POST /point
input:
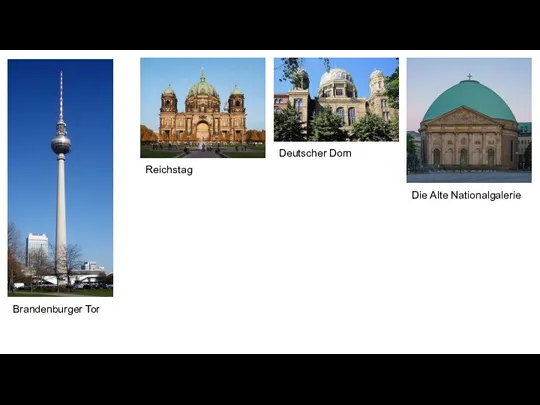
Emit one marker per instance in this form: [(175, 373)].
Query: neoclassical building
[(337, 91), (202, 120), (470, 125)]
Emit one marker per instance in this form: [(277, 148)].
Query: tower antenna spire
[(61, 98)]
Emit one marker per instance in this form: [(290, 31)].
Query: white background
[(290, 255)]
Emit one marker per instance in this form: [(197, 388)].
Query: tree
[(394, 127), (411, 150), (326, 126), (527, 157), (250, 135), (372, 128), (391, 84), (288, 125), (14, 255), (147, 135), (68, 260), (262, 136), (40, 266), (289, 69)]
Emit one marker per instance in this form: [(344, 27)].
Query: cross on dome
[(469, 76)]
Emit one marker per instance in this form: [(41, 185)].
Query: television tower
[(61, 145)]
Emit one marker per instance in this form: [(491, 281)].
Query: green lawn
[(149, 153), (74, 293), (245, 154), (94, 293)]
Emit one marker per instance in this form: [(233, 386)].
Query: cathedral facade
[(202, 120), (469, 125), (336, 91)]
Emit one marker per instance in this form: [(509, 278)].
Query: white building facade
[(34, 243)]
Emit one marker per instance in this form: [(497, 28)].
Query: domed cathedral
[(337, 91), (202, 120), (471, 125)]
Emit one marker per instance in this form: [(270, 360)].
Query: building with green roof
[(202, 121), (470, 125)]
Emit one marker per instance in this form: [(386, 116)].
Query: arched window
[(280, 101), (237, 103), (463, 157), (491, 157), (298, 104), (341, 113), (352, 115), (436, 157)]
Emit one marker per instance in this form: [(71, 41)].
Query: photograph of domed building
[(219, 114), (469, 126), (202, 119), (345, 92)]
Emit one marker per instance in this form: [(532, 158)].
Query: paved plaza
[(194, 154), (470, 177)]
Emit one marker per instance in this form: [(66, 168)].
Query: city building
[(524, 140), (91, 266), (202, 120), (419, 143), (337, 91), (470, 125), (34, 243)]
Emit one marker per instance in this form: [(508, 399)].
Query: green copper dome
[(472, 94), (202, 88), (236, 91), (168, 91)]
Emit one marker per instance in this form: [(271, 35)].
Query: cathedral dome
[(472, 94), (376, 73), (202, 88), (236, 92), (335, 74), (168, 91)]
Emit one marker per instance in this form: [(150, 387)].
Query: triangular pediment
[(463, 115)]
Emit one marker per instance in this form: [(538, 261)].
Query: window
[(386, 115), (277, 109), (436, 157), (491, 157), (511, 151), (339, 92), (463, 157), (352, 115), (349, 93), (298, 103), (341, 113)]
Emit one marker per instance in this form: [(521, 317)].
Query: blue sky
[(359, 68), (33, 110), (222, 73), (428, 78)]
